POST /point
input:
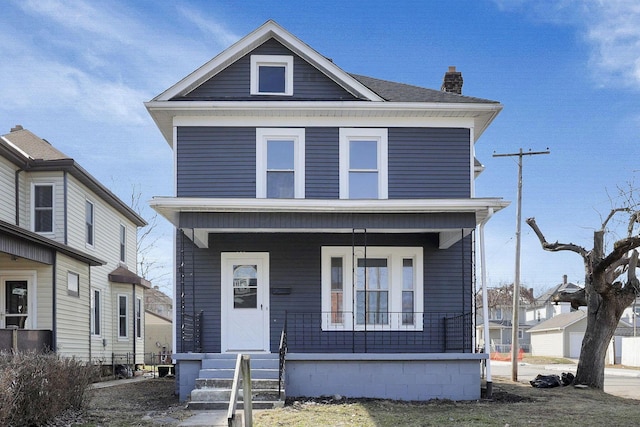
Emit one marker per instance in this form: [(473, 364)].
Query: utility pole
[(515, 323)]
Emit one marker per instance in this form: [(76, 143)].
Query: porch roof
[(452, 219)]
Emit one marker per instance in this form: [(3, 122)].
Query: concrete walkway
[(206, 419)]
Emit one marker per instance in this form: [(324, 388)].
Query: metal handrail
[(243, 367), (282, 351)]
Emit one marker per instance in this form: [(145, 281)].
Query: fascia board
[(253, 40)]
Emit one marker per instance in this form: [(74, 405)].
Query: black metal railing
[(191, 332), (378, 332), (282, 351)]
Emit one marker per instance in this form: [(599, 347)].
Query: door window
[(245, 286), (16, 303)]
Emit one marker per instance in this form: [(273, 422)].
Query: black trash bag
[(546, 381), (567, 378)]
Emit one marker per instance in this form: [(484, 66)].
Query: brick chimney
[(564, 279), (452, 81), (16, 128)]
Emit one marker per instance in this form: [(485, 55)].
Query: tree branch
[(620, 248), (611, 214), (577, 298), (555, 247)]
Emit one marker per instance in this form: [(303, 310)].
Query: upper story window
[(363, 163), (271, 75), (89, 217), (123, 243), (279, 163), (43, 208)]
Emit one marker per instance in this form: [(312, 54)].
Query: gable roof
[(560, 322), (34, 154), (374, 98), (266, 31), (546, 296)]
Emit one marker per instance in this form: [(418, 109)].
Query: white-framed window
[(96, 313), (73, 284), (363, 163), (43, 198), (89, 222), (271, 75), (381, 290), (123, 243), (497, 313), (280, 163), (123, 316), (138, 317)]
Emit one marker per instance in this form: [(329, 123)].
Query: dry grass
[(514, 404)]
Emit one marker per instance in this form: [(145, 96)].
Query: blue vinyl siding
[(429, 163), (233, 83), (216, 162), (322, 163), (294, 262)]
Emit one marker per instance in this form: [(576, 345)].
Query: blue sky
[(567, 72)]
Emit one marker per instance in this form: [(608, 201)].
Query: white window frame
[(73, 284), (126, 316), (395, 257), (285, 61), (122, 247), (96, 313), (263, 136), (381, 136), (93, 223), (53, 206), (138, 318)]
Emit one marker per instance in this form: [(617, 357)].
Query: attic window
[(271, 75)]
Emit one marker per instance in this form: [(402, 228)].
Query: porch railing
[(14, 339), (282, 351), (191, 333), (379, 332)]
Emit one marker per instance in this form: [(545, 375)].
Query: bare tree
[(604, 295)]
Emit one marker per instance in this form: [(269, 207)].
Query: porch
[(24, 340)]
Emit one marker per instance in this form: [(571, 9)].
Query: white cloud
[(610, 28), (210, 27)]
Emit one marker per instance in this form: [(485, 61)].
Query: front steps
[(213, 386)]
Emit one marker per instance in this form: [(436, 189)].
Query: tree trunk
[(602, 321)]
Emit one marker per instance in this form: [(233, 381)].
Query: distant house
[(544, 307), (158, 326), (67, 257), (327, 211), (500, 308)]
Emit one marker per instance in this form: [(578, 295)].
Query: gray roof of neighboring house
[(560, 321), (42, 156), (546, 297), (400, 92)]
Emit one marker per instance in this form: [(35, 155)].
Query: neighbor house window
[(43, 208), (280, 163), (89, 216), (363, 163), (96, 309), (73, 284), (271, 75), (381, 290), (138, 318), (123, 316), (123, 242)]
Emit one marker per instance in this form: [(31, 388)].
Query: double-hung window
[(280, 163), (377, 288), (123, 317), (271, 75), (73, 284), (96, 313), (123, 243), (43, 208), (363, 163), (89, 218), (138, 318)]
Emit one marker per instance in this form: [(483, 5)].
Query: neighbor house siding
[(426, 163), (72, 320), (294, 262), (216, 162), (7, 191), (232, 83)]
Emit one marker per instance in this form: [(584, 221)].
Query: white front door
[(245, 302)]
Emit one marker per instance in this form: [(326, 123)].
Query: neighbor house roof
[(560, 322), (34, 154)]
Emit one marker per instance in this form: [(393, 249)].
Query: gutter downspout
[(17, 195), (485, 304)]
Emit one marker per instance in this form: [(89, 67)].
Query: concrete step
[(228, 383), (221, 405), (224, 394), (227, 373)]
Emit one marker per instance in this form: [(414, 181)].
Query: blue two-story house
[(329, 211)]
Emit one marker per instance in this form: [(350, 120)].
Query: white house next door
[(245, 302)]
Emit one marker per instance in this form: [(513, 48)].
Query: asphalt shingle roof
[(34, 146), (401, 92)]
